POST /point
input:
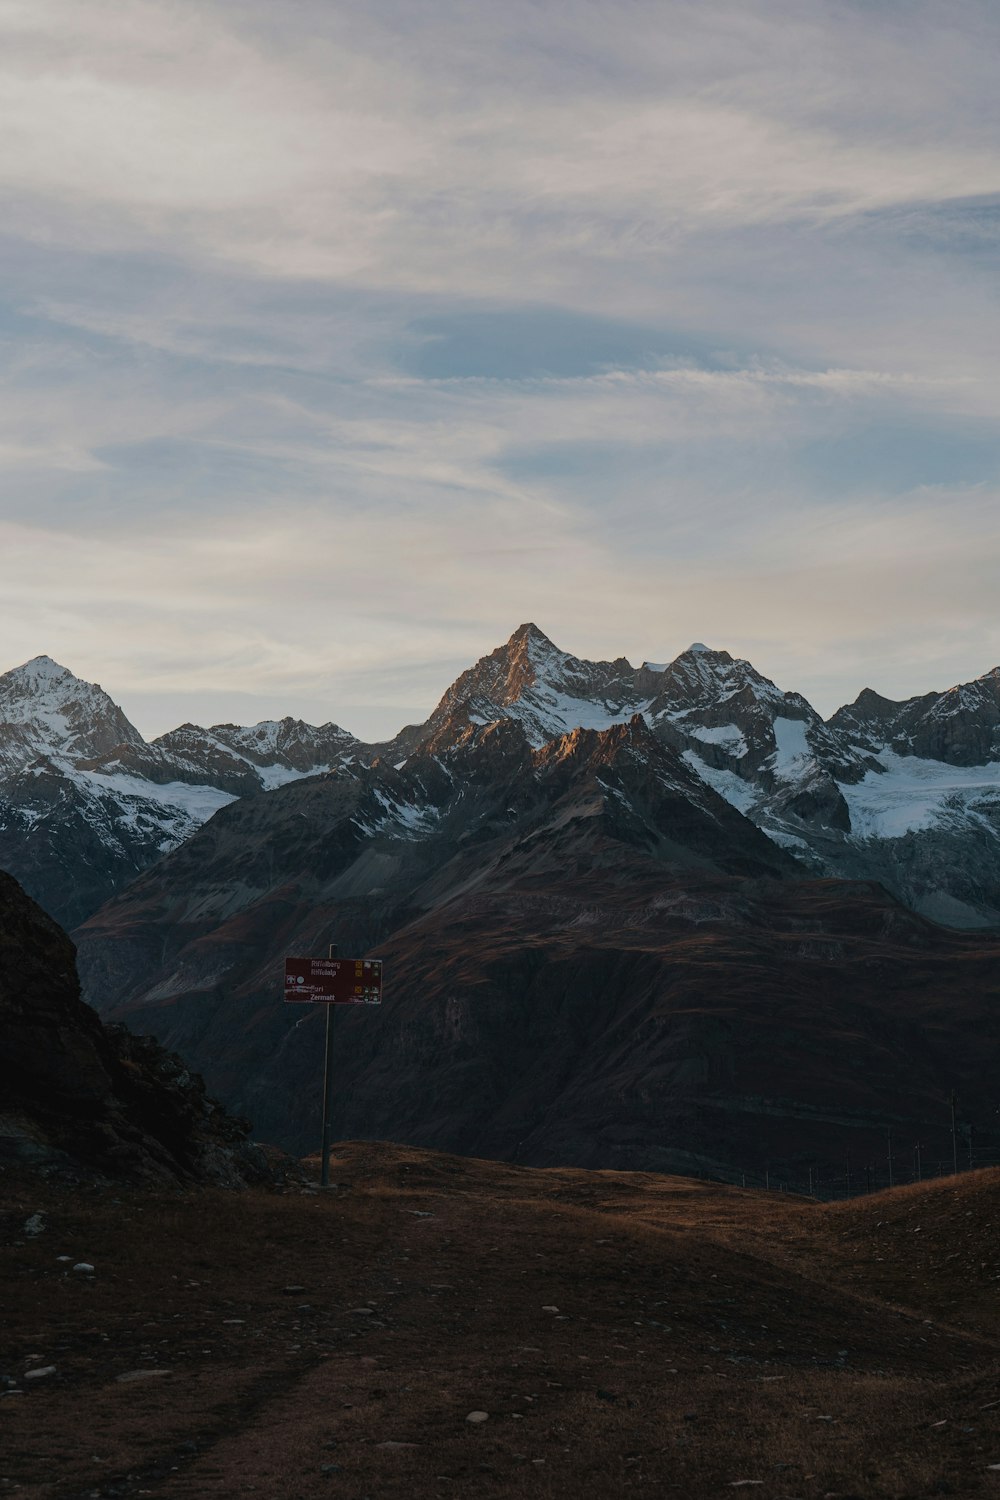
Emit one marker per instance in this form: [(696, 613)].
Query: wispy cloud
[(335, 340)]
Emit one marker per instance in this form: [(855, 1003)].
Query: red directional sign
[(333, 981)]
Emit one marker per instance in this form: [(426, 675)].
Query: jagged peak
[(698, 648), (61, 714), (870, 700), (41, 670), (532, 646), (49, 686), (703, 670), (986, 679), (45, 662), (708, 658), (529, 632)]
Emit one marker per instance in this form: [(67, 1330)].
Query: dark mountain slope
[(194, 950), (76, 1097), (591, 958)]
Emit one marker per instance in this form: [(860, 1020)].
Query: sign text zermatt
[(332, 981)]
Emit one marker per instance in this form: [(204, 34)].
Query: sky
[(337, 340)]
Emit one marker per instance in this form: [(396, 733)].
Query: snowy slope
[(913, 794), (86, 803)]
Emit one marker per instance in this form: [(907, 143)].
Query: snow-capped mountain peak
[(701, 676), (85, 802), (47, 712), (40, 670), (546, 690)]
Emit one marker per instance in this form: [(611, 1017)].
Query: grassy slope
[(704, 1338)]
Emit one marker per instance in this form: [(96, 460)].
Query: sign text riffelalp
[(333, 981)]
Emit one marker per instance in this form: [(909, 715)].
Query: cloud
[(336, 340), (473, 159)]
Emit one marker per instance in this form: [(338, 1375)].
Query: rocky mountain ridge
[(86, 803), (907, 793), (960, 727)]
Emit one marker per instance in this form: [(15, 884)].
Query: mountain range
[(905, 793), (86, 803), (604, 896)]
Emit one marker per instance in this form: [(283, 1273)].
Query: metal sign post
[(331, 981), (324, 1171)]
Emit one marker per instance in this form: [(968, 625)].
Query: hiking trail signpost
[(332, 981)]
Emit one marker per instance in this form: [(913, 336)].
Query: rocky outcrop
[(79, 1098)]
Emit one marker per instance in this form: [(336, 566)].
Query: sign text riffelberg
[(333, 981)]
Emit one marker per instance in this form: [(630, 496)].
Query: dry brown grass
[(704, 1337)]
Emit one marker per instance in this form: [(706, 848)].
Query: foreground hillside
[(622, 1334)]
